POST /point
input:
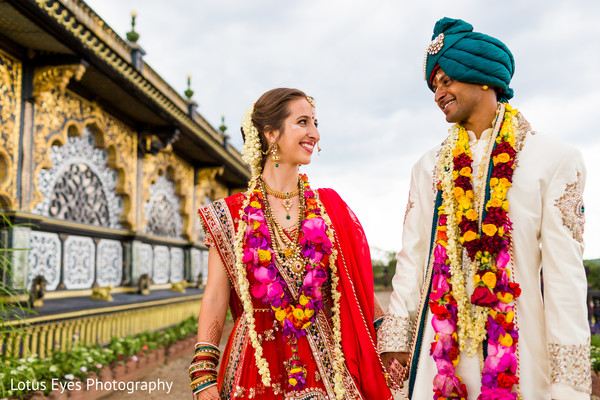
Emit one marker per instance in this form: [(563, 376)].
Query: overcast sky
[(362, 62)]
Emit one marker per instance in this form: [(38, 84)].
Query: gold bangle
[(204, 377), (207, 371), (208, 355), (202, 364), (200, 381), (203, 386), (207, 352)]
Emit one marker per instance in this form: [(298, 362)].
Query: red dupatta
[(357, 301)]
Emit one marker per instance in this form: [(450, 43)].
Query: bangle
[(204, 377), (207, 344), (204, 386), (215, 353), (204, 347), (202, 380), (199, 374), (211, 357), (201, 365)]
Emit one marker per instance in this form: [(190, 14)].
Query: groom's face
[(457, 100)]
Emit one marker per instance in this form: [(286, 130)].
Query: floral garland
[(254, 255), (251, 151), (494, 293)]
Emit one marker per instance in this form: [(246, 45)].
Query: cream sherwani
[(546, 210)]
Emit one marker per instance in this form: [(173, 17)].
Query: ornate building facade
[(102, 164)]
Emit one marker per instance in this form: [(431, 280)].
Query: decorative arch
[(166, 163), (163, 210), (80, 185), (60, 114)]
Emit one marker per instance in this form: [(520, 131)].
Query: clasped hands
[(396, 366)]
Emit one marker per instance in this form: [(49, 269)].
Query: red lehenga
[(363, 374)]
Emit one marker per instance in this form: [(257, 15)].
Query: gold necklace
[(286, 250), (286, 197)]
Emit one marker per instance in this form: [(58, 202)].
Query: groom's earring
[(274, 157)]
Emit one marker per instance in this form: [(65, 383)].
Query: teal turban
[(470, 57)]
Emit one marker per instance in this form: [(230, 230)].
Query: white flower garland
[(242, 280), (470, 325), (252, 149), (244, 285)]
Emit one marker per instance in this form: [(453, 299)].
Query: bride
[(293, 266)]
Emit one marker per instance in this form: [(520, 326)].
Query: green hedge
[(80, 360)]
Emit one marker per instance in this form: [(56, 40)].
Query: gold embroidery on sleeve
[(395, 334), (409, 207), (571, 207), (570, 364)]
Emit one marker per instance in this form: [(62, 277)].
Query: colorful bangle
[(202, 371), (214, 346), (207, 354), (201, 365), (201, 374), (204, 386), (207, 350), (202, 380), (199, 358), (198, 348)]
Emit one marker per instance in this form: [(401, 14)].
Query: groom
[(503, 207)]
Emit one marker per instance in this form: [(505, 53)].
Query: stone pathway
[(175, 373)]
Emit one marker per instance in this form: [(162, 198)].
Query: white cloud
[(362, 60)]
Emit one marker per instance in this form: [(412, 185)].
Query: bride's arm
[(213, 310)]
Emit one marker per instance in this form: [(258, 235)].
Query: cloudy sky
[(362, 61)]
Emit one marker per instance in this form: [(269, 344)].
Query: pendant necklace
[(286, 197)]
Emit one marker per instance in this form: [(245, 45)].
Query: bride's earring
[(274, 157)]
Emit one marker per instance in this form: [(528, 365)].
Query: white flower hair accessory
[(252, 150)]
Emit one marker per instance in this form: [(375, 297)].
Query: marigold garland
[(254, 254), (494, 292)]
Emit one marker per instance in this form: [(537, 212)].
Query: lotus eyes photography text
[(95, 384)]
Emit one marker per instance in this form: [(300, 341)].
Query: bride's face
[(300, 134)]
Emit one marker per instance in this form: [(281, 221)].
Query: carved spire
[(189, 92), (223, 127), (132, 35)]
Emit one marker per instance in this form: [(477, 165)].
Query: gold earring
[(485, 87), (319, 149), (274, 157)]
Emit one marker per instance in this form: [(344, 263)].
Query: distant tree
[(384, 268), (592, 268)]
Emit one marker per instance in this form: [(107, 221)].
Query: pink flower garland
[(270, 288)]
